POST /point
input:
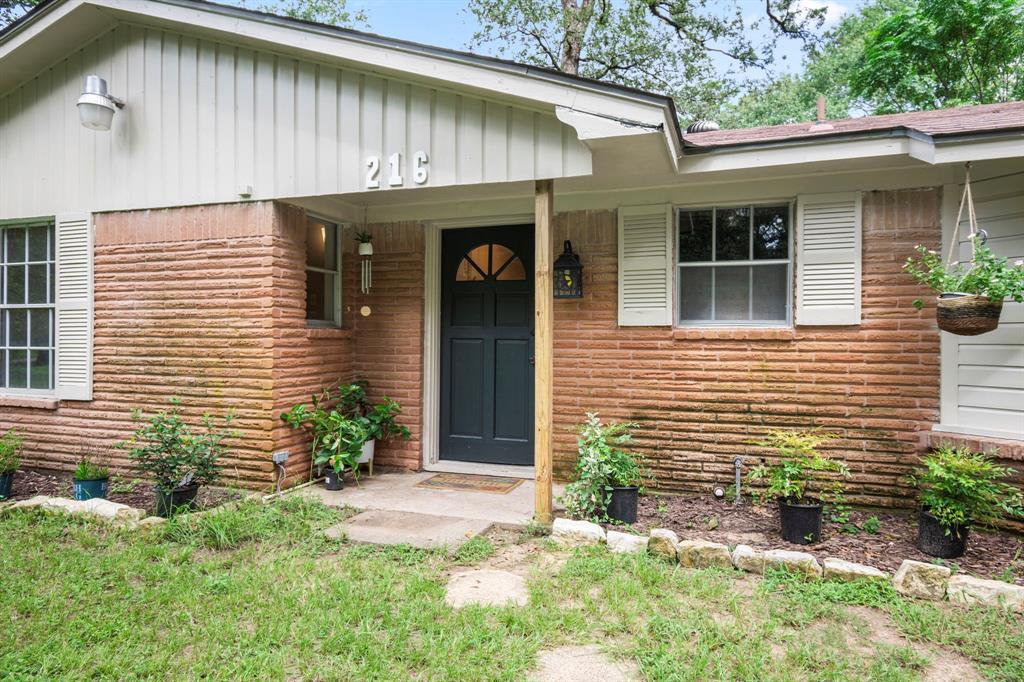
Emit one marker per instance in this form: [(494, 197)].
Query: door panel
[(487, 345)]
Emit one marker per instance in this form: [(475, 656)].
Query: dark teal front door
[(487, 345)]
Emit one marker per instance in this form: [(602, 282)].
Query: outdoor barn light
[(568, 274), (96, 106)]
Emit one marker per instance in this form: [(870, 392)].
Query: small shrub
[(172, 453), (871, 525), (959, 487), (603, 464), (799, 459), (87, 470), (10, 445), (987, 274)]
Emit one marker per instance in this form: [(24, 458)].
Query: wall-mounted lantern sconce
[(568, 274), (96, 106)]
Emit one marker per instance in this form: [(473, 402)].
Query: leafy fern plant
[(10, 445), (603, 464), (959, 487), (791, 478)]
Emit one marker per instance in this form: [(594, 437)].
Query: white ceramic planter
[(365, 249)]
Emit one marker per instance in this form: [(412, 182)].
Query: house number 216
[(395, 179)]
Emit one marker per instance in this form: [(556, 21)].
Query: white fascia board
[(979, 149), (812, 152)]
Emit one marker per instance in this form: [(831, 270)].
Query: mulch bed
[(989, 554), (133, 492)]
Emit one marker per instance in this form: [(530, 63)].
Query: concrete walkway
[(398, 492)]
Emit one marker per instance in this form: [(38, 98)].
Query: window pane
[(321, 245), (771, 232), (695, 284), (39, 369), (18, 377), (480, 256), (468, 272), (53, 282), (40, 328), (732, 234), (3, 369), (514, 271), (17, 328), (770, 292), (15, 284), (732, 293), (694, 236), (15, 245), (53, 242), (499, 256), (320, 293), (37, 248), (37, 283)]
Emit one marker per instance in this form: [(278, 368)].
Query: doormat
[(471, 482)]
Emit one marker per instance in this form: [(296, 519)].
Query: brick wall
[(701, 395)]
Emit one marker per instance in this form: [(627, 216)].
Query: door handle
[(532, 361)]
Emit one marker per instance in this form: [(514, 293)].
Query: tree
[(667, 46), (941, 53), (12, 10), (330, 12)]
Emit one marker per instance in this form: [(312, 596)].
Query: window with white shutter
[(27, 307), (828, 241), (74, 306), (645, 265)]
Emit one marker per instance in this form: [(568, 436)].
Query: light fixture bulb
[(96, 106)]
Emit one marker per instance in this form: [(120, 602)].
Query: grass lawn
[(258, 593)]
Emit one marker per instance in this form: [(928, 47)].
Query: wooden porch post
[(542, 349)]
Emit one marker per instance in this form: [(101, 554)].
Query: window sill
[(29, 401), (315, 332), (733, 333)]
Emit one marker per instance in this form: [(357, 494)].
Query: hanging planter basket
[(967, 314)]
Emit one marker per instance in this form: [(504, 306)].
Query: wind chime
[(365, 250)]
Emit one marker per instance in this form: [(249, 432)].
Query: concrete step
[(425, 531)]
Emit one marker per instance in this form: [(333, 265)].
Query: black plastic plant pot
[(933, 540), (178, 499), (801, 523), (6, 480), (622, 506), (86, 490), (333, 480)]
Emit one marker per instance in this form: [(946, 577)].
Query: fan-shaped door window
[(491, 260)]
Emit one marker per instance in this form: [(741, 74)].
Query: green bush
[(603, 464), (173, 454), (959, 487), (799, 460), (10, 445), (87, 470)]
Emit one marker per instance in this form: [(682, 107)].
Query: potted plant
[(364, 240), (970, 294), (10, 444), (792, 477), (90, 480), (175, 456), (379, 420), (957, 489), (608, 477)]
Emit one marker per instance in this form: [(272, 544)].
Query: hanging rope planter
[(962, 313)]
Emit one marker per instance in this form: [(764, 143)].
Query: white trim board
[(432, 325), (453, 467)]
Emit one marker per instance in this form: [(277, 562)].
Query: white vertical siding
[(204, 118), (985, 393)]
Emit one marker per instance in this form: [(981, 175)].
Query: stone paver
[(746, 558), (839, 569), (663, 544), (967, 589), (703, 554), (425, 531), (921, 580), (486, 588), (581, 664), (795, 562), (624, 543), (571, 533)]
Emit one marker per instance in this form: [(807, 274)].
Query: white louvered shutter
[(74, 306), (828, 242), (645, 265)]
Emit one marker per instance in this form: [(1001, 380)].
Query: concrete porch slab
[(398, 492), (424, 531)]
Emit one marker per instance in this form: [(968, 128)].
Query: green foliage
[(960, 487), (87, 470), (866, 592), (341, 422), (475, 550), (10, 445), (603, 464), (12, 10), (363, 237), (988, 275), (871, 525), (943, 53), (330, 12), (172, 453), (799, 459)]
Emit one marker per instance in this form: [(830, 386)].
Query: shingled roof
[(985, 118)]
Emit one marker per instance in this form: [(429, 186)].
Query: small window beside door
[(733, 265), (323, 272), (490, 260)]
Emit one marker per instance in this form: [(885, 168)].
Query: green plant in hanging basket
[(970, 294)]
